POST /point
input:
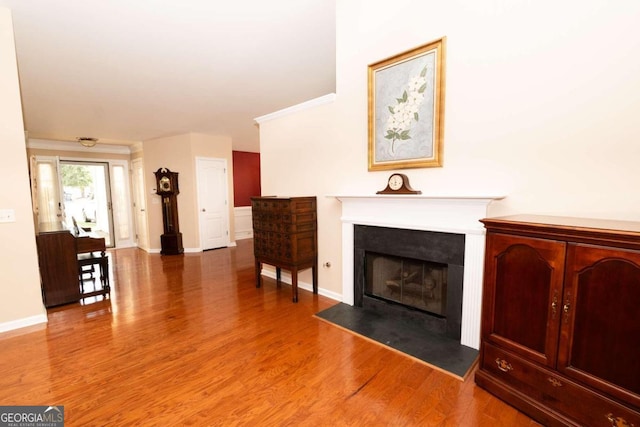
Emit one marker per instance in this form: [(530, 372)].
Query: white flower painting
[(405, 110)]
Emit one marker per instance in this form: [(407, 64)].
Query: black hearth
[(413, 275)]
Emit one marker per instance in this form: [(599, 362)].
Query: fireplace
[(415, 274), (412, 283), (455, 215)]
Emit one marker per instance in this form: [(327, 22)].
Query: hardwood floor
[(190, 340)]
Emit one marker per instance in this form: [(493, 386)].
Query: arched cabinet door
[(600, 330), (523, 286)]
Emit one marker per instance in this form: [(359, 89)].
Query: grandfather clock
[(167, 187)]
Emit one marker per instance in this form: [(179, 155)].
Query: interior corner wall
[(20, 293), (171, 152), (178, 154), (541, 102)]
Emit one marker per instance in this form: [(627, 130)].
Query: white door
[(213, 205), (139, 204)]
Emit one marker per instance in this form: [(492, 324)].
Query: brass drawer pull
[(503, 365), (618, 421), (554, 382)]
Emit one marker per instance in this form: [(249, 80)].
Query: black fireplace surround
[(428, 246)]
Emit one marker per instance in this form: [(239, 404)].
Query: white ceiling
[(133, 70)]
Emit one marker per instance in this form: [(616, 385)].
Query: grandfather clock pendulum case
[(167, 187)]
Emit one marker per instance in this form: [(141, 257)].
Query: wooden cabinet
[(61, 267), (561, 319), (58, 265), (285, 236)]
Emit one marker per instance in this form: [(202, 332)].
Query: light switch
[(7, 215)]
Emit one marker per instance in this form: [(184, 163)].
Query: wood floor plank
[(190, 340)]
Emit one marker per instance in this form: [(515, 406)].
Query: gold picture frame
[(406, 109)]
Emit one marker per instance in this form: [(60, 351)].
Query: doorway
[(87, 197), (94, 193)]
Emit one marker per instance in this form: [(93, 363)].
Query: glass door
[(87, 197)]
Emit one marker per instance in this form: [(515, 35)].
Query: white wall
[(20, 294), (541, 105)]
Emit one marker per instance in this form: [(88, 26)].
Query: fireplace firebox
[(415, 275), (417, 284)]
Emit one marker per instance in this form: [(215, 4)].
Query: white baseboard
[(244, 235), (23, 323), (270, 271)]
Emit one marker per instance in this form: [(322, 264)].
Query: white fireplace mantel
[(459, 214)]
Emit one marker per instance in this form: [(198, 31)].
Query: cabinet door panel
[(600, 332), (523, 289), (58, 267)]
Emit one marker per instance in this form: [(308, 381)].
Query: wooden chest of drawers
[(285, 236)]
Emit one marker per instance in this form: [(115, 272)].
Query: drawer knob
[(503, 365), (618, 421)]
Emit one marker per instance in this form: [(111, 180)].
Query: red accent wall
[(246, 177)]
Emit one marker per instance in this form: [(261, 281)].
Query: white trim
[(136, 148), (443, 213), (47, 144), (285, 277), (326, 99), (186, 250), (190, 250), (23, 323), (243, 222)]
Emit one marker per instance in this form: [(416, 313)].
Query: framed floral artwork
[(406, 109)]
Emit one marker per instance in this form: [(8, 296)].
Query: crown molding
[(48, 144), (326, 99)]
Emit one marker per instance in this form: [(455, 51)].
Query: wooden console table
[(285, 236)]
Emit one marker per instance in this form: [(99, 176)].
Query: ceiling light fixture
[(87, 141)]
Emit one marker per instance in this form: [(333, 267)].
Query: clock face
[(395, 182), (165, 184)]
